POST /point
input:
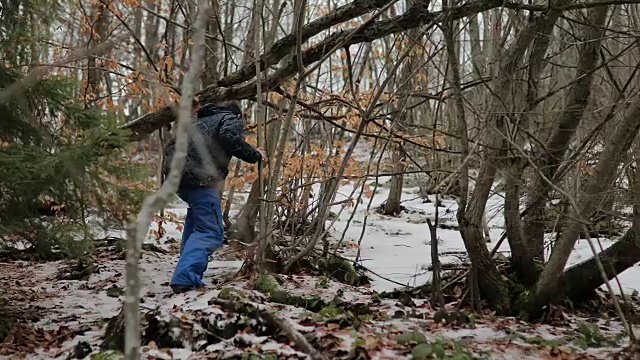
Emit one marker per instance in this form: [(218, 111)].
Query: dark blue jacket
[(221, 132)]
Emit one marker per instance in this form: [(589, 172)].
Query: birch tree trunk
[(139, 228)]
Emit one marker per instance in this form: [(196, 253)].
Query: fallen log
[(241, 85), (580, 281)]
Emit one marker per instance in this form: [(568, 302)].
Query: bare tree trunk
[(229, 20), (245, 223), (449, 28), (99, 33), (616, 148), (244, 226), (492, 284), (281, 138), (392, 206), (167, 72), (211, 73), (138, 229), (261, 113), (137, 54), (227, 37), (580, 281), (250, 47), (150, 41), (522, 259), (477, 56), (568, 121), (437, 297)]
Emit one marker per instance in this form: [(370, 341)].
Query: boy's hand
[(263, 153)]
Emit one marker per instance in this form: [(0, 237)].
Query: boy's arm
[(233, 140)]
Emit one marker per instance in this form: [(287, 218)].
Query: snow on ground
[(399, 248), (77, 304), (396, 248)]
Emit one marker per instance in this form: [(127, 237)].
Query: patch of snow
[(396, 248)]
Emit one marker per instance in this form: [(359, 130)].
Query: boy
[(218, 130)]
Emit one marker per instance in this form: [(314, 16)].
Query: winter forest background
[(446, 179)]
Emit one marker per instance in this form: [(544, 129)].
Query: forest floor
[(66, 318)]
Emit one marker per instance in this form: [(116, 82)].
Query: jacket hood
[(212, 109)]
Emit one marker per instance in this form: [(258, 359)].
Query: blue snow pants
[(202, 234)]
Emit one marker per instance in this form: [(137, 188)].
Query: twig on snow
[(292, 334), (277, 321)]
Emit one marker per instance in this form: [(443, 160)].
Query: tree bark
[(477, 56), (245, 222), (581, 280), (558, 144), (403, 85), (98, 33), (615, 150), (521, 261), (212, 59), (449, 29), (392, 206), (284, 46), (138, 229), (493, 285)]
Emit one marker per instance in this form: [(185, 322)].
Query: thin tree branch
[(139, 228)]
